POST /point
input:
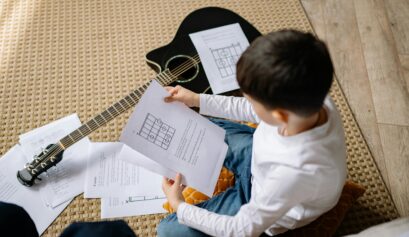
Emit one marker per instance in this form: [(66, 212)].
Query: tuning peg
[(37, 180)]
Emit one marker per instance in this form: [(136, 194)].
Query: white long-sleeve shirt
[(295, 179)]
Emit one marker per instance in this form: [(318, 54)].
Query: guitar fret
[(124, 106), (162, 79), (65, 141), (165, 79), (119, 108), (121, 105), (82, 135), (83, 130), (112, 111), (92, 124), (170, 80), (142, 89), (134, 96), (125, 103), (138, 94), (69, 135), (130, 101), (107, 115), (100, 119), (76, 135)]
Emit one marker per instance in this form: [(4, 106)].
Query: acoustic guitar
[(175, 63)]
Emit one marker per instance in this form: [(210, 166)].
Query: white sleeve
[(273, 201), (229, 107)]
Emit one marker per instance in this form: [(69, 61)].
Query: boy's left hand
[(173, 190)]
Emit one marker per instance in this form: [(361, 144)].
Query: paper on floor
[(29, 198), (177, 138), (131, 206), (107, 175), (219, 49), (65, 180)]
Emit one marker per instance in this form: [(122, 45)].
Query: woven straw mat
[(64, 57)]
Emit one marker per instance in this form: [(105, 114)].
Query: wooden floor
[(369, 45)]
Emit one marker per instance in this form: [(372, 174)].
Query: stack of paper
[(30, 199), (125, 189), (45, 201), (65, 180)]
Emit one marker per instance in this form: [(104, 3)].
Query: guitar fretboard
[(164, 78)]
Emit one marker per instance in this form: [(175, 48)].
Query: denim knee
[(167, 226), (170, 227)]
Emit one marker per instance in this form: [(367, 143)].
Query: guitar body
[(181, 47)]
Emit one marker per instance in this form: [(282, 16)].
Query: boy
[(293, 168)]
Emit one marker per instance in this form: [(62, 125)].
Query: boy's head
[(288, 70)]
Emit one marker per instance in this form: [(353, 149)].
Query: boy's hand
[(173, 191), (183, 95)]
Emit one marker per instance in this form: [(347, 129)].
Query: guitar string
[(197, 61), (177, 72), (166, 77)]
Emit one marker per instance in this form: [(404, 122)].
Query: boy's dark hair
[(286, 69)]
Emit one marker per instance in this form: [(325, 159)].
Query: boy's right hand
[(183, 95)]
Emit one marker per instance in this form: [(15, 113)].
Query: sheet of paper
[(130, 155), (65, 180), (30, 199), (108, 175), (131, 206), (219, 50), (177, 138)]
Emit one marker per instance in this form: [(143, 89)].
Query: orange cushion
[(327, 224)]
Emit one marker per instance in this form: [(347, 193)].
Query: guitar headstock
[(49, 157)]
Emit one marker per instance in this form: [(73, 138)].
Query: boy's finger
[(169, 99), (173, 91), (168, 88), (165, 183), (178, 179)]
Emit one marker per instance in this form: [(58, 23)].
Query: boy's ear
[(280, 115)]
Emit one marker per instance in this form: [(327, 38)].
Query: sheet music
[(108, 175), (65, 180), (132, 206), (132, 156), (219, 50), (29, 198), (177, 138)]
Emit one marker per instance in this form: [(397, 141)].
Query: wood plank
[(313, 8), (404, 63), (398, 14), (391, 99), (395, 143), (337, 22)]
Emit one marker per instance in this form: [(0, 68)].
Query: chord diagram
[(226, 59), (156, 131), (143, 198)]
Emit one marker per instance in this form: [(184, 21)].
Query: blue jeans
[(239, 138)]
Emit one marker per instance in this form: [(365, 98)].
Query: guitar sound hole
[(184, 67)]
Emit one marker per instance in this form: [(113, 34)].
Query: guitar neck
[(129, 101)]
